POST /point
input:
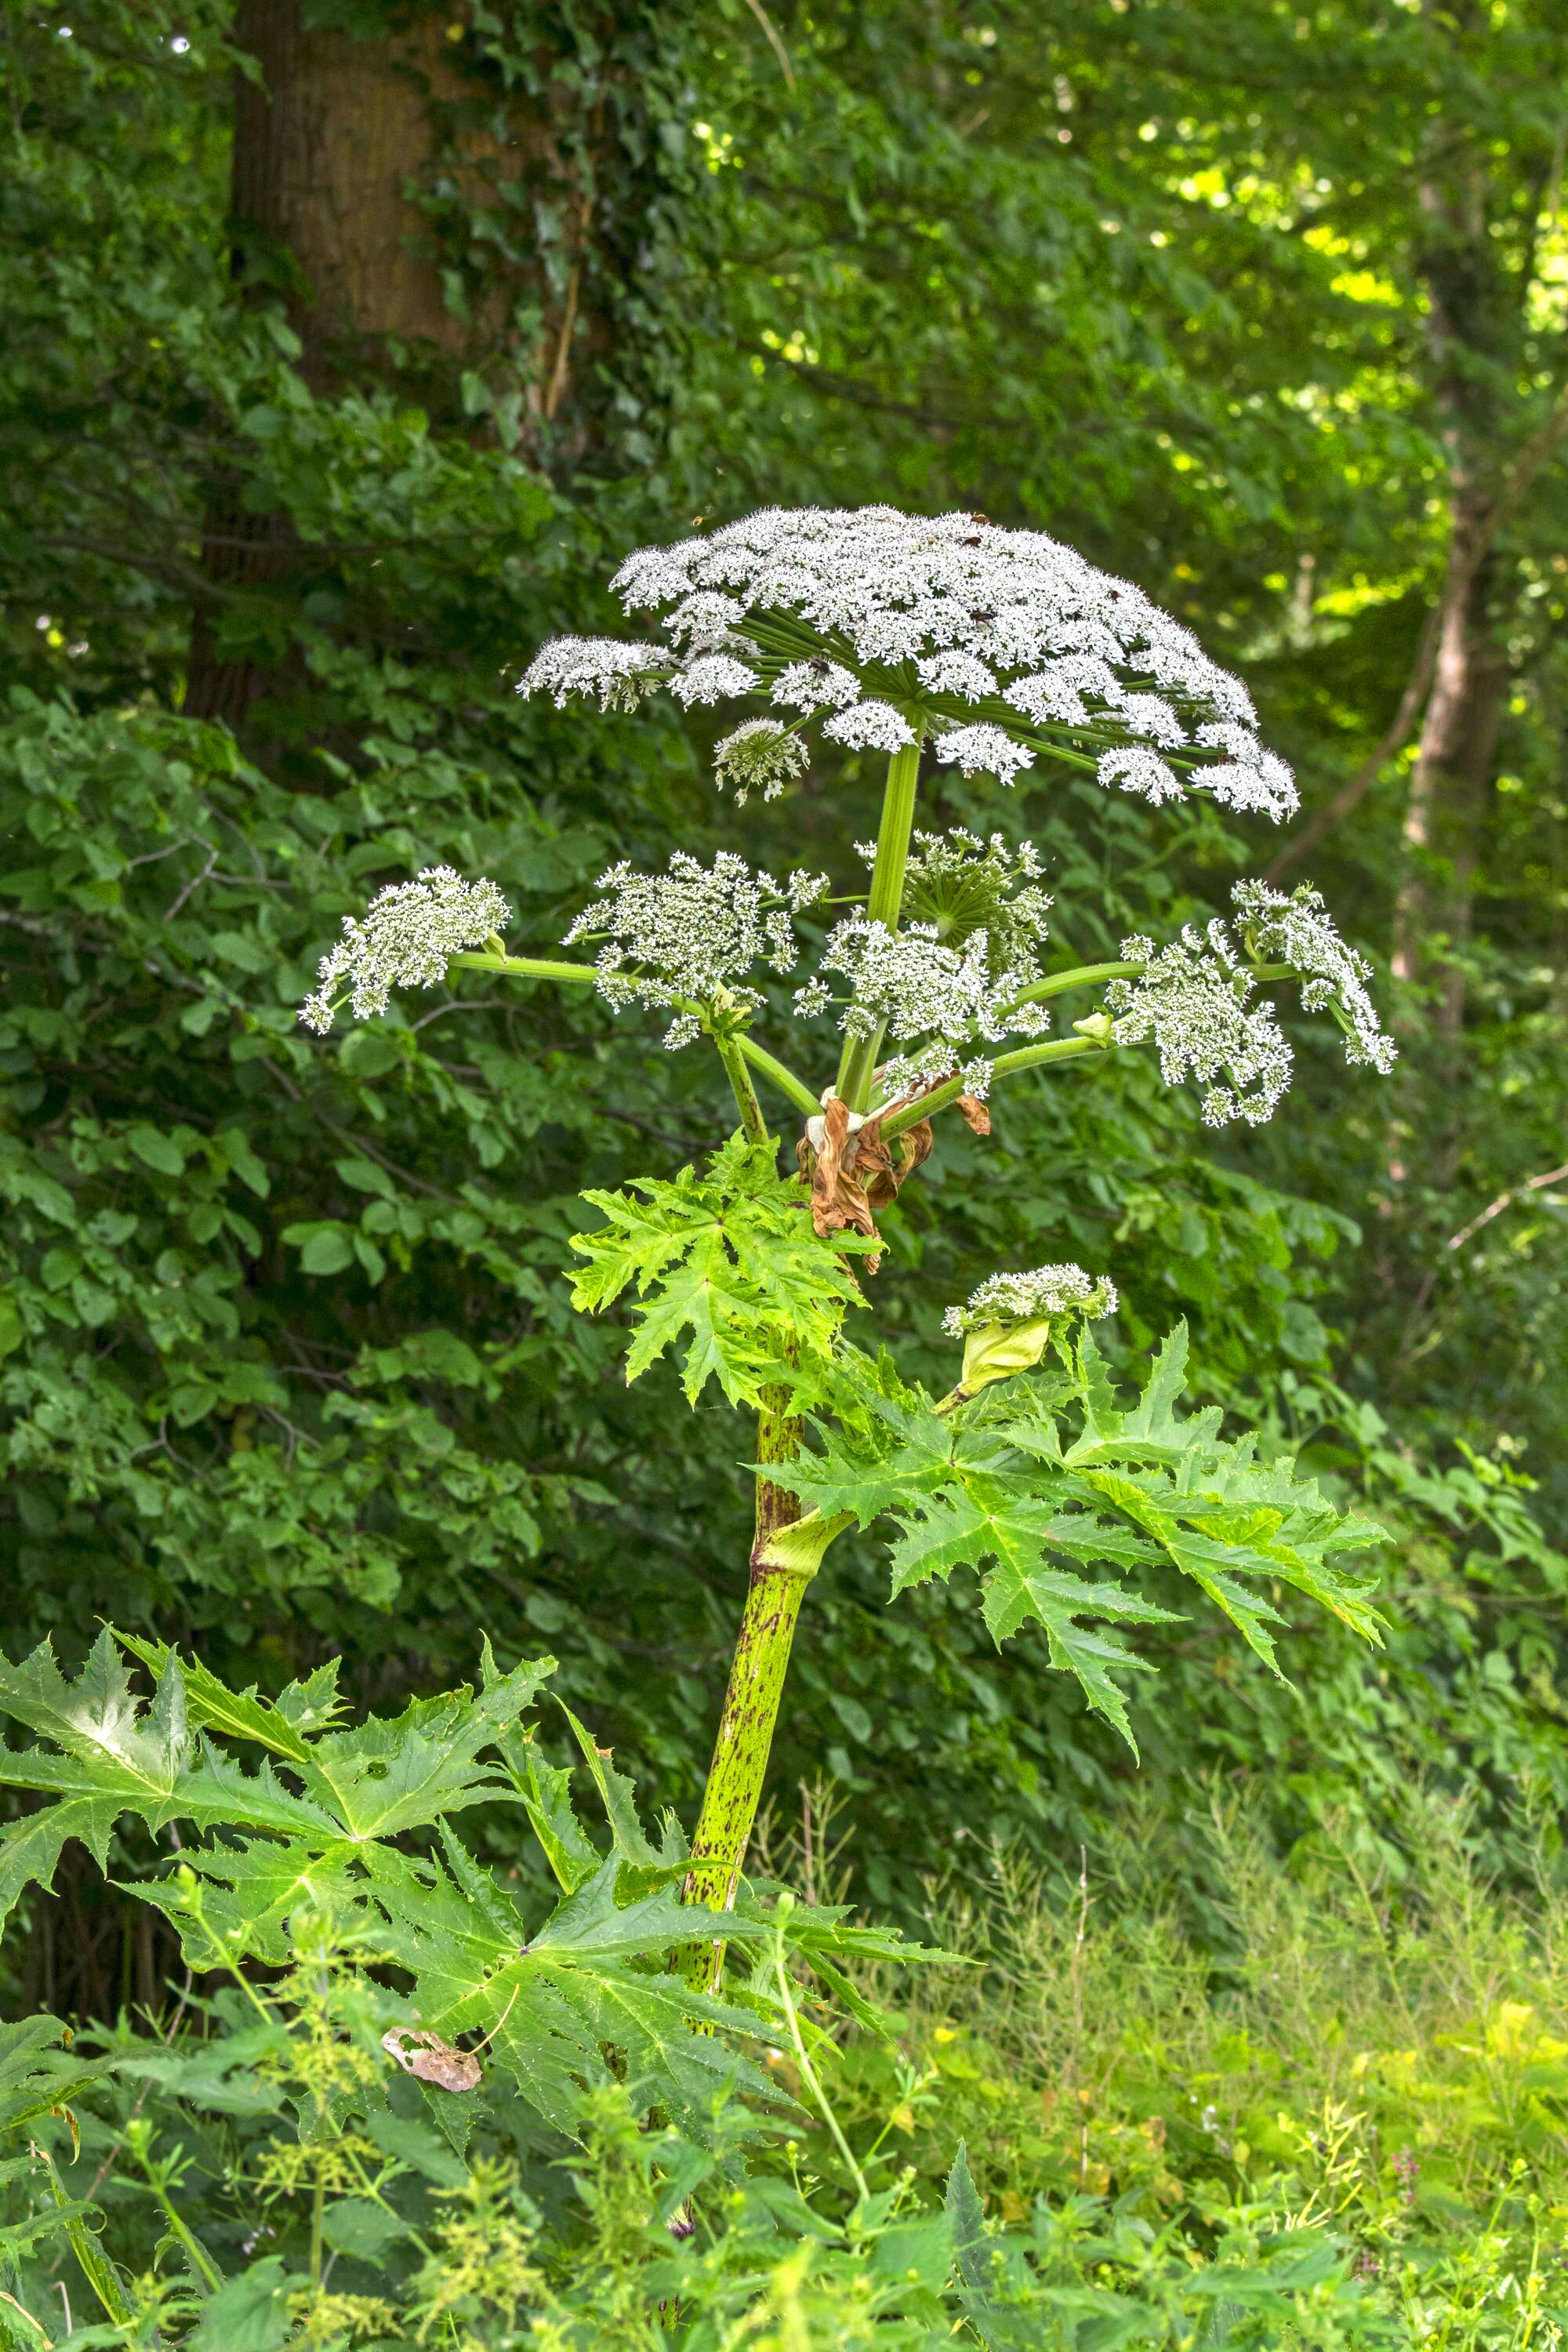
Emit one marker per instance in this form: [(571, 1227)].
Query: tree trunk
[(1472, 336), (331, 145), (1446, 809), (325, 143)]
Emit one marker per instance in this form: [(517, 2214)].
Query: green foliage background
[(289, 1366)]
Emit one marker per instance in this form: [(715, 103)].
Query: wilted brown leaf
[(432, 2060)]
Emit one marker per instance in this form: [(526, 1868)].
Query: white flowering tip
[(693, 932), (1021, 1298), (1192, 998), (999, 643), (1009, 1322), (409, 935), (1139, 770), (618, 673), (1298, 930), (871, 726), (759, 756), (815, 685), (984, 751), (711, 678), (956, 673)]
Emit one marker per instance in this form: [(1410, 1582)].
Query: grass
[(1187, 2030)]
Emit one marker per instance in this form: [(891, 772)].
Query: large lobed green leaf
[(1045, 1478), (355, 1823), (727, 1268)]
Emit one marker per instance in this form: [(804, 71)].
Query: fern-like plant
[(931, 982)]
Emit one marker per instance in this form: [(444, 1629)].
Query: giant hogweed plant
[(952, 642)]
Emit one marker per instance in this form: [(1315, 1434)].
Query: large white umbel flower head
[(1003, 648)]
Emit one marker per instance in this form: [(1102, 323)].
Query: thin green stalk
[(883, 901), (794, 1089), (204, 2265), (1006, 1066), (92, 2261), (808, 2072), (317, 2217), (745, 1093)]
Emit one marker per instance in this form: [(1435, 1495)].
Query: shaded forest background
[(348, 345)]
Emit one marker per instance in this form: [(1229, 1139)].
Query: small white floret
[(956, 673), (984, 750), (871, 726), (1139, 770), (711, 678)]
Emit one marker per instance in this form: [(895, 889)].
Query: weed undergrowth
[(1185, 2094), (1185, 2033)]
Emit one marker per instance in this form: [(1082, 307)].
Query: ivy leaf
[(156, 1151)]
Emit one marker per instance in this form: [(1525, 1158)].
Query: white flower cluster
[(1298, 930), (1031, 1298), (760, 755), (692, 931), (621, 675), (1000, 643), (410, 932), (1192, 997), (908, 985), (962, 884), (984, 750)]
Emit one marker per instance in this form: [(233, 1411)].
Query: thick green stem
[(1083, 975), (883, 901), (794, 1089), (582, 975), (524, 967), (757, 1672)]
